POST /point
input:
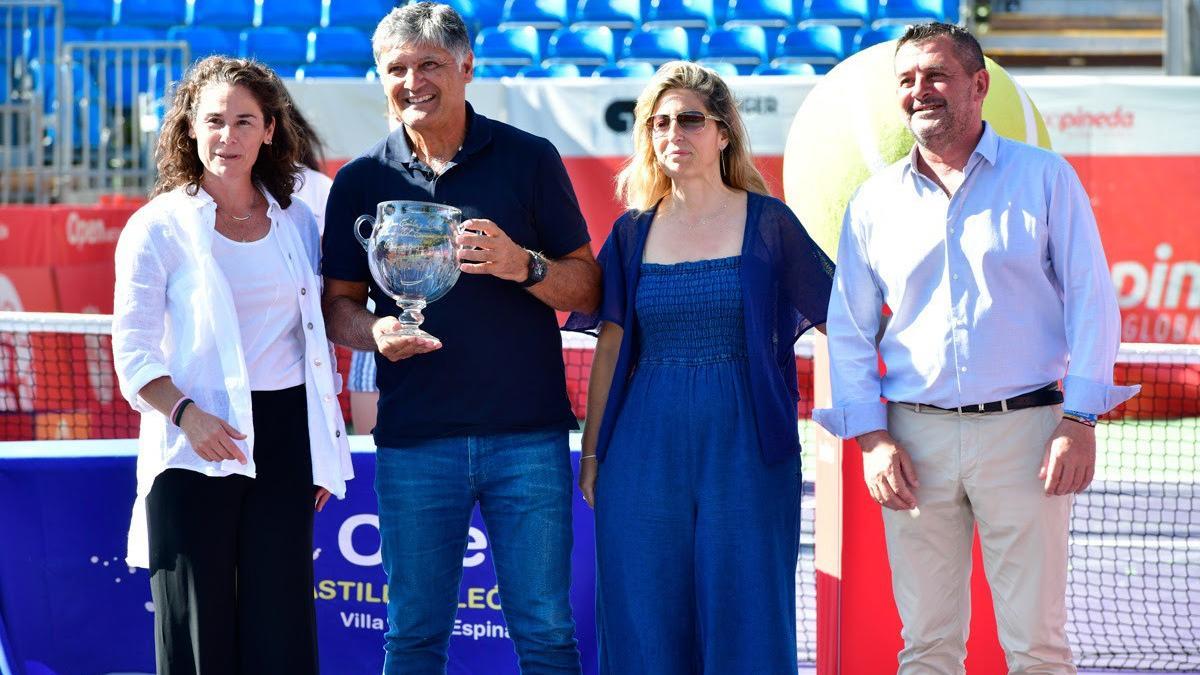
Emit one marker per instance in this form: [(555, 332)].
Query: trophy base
[(413, 331)]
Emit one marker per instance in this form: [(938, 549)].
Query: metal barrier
[(110, 95), (29, 33)]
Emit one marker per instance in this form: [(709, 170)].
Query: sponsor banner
[(23, 235), (60, 235), (1097, 115), (1148, 212), (70, 515), (1086, 115), (86, 288), (27, 289)]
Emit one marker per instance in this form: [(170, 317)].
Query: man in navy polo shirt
[(480, 416)]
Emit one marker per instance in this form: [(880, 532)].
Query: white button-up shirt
[(173, 315), (994, 292)]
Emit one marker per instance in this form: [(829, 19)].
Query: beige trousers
[(979, 469)]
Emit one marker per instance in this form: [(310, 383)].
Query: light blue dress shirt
[(994, 292)]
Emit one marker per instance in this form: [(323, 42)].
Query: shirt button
[(303, 291), (337, 434), (317, 362), (954, 277), (963, 369), (328, 397), (310, 323)]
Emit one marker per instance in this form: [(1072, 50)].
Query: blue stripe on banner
[(67, 507)]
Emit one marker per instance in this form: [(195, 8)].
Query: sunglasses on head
[(690, 121)]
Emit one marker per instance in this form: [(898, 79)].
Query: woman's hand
[(211, 437), (322, 496), (588, 469)]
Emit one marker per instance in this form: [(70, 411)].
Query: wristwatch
[(537, 269)]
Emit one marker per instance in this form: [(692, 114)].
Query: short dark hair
[(970, 54)]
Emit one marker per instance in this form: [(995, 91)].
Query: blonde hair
[(641, 182)]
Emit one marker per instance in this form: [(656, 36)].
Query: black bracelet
[(179, 412)]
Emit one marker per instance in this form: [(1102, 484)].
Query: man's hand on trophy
[(395, 347), (488, 250)]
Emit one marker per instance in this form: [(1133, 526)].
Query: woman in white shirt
[(219, 342)]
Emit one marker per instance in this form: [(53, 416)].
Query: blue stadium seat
[(128, 34), (123, 81), (869, 37), (87, 13), (342, 70), (638, 69), (151, 13), (340, 45), (837, 12), (685, 13), (767, 13), (723, 68), (281, 48), (303, 14), (556, 70), (163, 75), (363, 14), (205, 40), (656, 46), (542, 14), (489, 71), (32, 39), (507, 47), (616, 14), (793, 68), (237, 14), (486, 12), (85, 114), (950, 10), (743, 46), (908, 12), (588, 47), (819, 45), (848, 15)]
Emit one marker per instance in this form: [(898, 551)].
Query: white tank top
[(268, 310)]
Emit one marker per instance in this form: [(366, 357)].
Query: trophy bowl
[(412, 256)]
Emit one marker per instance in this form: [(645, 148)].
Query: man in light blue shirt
[(987, 253)]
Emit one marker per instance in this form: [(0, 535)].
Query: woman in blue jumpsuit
[(691, 454)]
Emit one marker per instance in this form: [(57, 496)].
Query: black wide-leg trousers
[(231, 557)]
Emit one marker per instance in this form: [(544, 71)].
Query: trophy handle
[(365, 241)]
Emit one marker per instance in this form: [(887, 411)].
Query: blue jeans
[(427, 491)]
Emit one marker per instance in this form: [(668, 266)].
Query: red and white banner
[(1135, 142), (59, 258)]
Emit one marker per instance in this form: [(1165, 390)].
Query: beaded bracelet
[(177, 411), (1087, 422)]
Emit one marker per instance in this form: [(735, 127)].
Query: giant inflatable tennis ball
[(850, 126)]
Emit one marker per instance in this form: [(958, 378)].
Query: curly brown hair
[(277, 166)]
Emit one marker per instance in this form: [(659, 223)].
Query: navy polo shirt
[(500, 368)]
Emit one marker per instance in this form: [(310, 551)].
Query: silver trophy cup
[(412, 256)]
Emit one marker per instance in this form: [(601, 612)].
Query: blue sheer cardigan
[(786, 280)]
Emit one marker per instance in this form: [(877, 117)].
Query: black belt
[(1047, 395)]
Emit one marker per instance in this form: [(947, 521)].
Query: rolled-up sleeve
[(139, 305), (1092, 318), (855, 310)]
